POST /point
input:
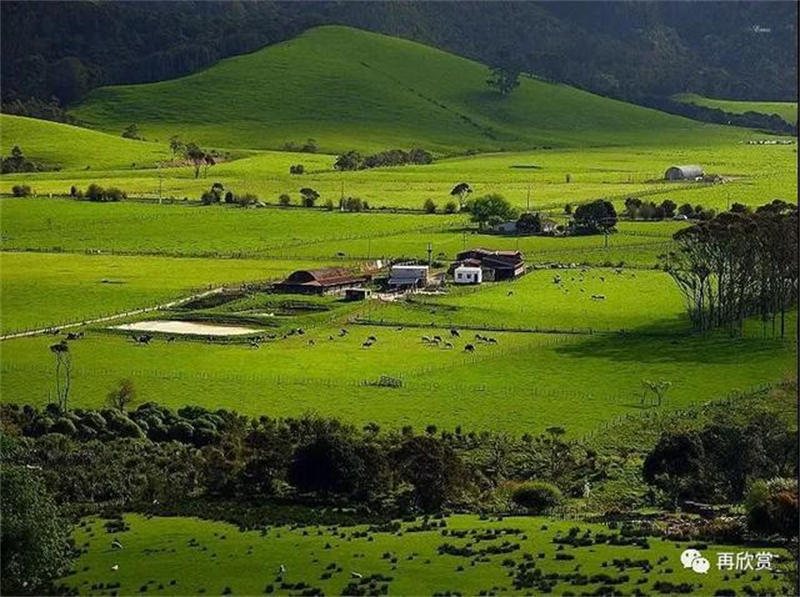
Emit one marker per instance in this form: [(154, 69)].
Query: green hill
[(349, 88), (70, 147), (786, 110)]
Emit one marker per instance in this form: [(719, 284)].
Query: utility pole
[(529, 198), (430, 253), (160, 180)]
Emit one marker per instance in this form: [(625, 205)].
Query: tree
[(297, 169), (330, 464), (196, 156), (350, 160), (632, 205), (434, 470), (63, 361), (676, 465), (429, 206), (34, 537), (176, 146), (593, 217), (450, 207), (658, 388), (132, 132), (122, 396), (538, 497), (529, 223), (503, 78), (309, 196), (462, 190), (490, 209), (686, 210), (669, 206), (284, 200)]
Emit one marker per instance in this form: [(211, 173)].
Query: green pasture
[(786, 110), (180, 556), (55, 144), (552, 299), (348, 88), (537, 179), (136, 227), (218, 230), (49, 289), (523, 383)]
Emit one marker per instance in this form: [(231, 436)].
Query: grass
[(349, 88), (524, 383), (786, 110), (46, 289), (74, 148), (757, 173), (179, 556), (632, 299)]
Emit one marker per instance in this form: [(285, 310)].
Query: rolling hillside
[(69, 147), (349, 88), (786, 110)]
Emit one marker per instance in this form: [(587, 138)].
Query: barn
[(329, 280), (495, 265), (683, 172)]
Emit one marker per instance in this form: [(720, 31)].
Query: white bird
[(356, 575), (115, 567), (282, 568)]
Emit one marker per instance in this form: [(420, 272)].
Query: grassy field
[(535, 178), (553, 300), (353, 89), (73, 148), (49, 289), (179, 556), (524, 383), (786, 110)]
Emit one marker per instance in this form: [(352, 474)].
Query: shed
[(409, 275), (330, 280), (465, 274), (683, 172), (357, 294)]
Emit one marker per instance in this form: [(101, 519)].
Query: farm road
[(76, 324)]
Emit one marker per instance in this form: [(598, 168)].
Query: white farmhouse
[(465, 274)]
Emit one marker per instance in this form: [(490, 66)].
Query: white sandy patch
[(187, 327)]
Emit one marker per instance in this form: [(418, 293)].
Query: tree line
[(736, 265), (353, 160)]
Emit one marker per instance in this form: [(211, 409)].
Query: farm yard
[(148, 321)]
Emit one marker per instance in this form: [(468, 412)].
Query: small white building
[(465, 274), (409, 275)]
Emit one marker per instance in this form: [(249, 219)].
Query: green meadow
[(178, 556), (348, 88), (522, 383), (51, 289), (786, 110)]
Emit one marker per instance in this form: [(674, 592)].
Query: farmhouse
[(331, 280), (683, 173), (465, 274), (409, 276), (494, 265)]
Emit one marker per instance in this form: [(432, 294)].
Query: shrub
[(20, 190), (450, 207), (284, 199), (429, 206), (297, 169), (537, 496), (772, 507)]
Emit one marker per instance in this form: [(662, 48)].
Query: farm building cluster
[(473, 266)]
